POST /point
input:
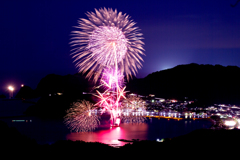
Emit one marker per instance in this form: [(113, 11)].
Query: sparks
[(114, 93), (80, 117), (133, 109), (107, 38), (107, 46)]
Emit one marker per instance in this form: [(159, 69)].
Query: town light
[(11, 89), (230, 123)]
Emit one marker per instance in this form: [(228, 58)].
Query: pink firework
[(113, 94), (107, 39), (112, 79), (108, 44)]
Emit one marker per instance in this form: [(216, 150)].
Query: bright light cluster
[(133, 109), (10, 88), (230, 123)]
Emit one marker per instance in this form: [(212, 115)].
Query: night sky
[(35, 35)]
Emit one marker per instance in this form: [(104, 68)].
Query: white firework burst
[(80, 117), (107, 38)]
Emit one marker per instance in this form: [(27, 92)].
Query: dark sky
[(35, 35)]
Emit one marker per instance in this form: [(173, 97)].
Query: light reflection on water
[(152, 130), (50, 131), (111, 136)]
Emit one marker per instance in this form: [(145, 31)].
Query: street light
[(10, 88)]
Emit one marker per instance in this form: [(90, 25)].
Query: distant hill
[(26, 92), (208, 83), (71, 85), (57, 93)]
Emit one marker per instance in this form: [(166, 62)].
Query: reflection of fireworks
[(108, 39), (80, 117)]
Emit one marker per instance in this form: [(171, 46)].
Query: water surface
[(47, 131)]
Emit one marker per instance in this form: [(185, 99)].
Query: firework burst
[(80, 117), (107, 45), (114, 92), (107, 38)]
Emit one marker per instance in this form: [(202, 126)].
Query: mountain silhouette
[(208, 83), (26, 92)]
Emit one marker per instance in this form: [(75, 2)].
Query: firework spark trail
[(106, 42), (80, 117), (114, 92), (107, 38)]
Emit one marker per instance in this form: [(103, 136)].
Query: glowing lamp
[(10, 88)]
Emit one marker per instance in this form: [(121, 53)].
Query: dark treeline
[(56, 94), (70, 85)]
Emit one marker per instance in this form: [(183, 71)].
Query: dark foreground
[(203, 143)]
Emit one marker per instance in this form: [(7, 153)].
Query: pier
[(176, 118)]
